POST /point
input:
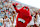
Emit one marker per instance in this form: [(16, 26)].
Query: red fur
[(23, 14)]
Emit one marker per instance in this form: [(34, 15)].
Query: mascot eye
[(24, 8), (27, 9)]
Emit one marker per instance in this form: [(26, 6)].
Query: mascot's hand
[(14, 5)]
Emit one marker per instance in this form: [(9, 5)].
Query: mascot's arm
[(16, 8), (30, 18)]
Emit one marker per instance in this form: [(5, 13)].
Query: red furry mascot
[(23, 17)]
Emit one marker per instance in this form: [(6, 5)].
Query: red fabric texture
[(23, 14)]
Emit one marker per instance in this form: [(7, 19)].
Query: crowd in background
[(7, 11)]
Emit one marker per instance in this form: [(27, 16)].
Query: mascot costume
[(23, 17)]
